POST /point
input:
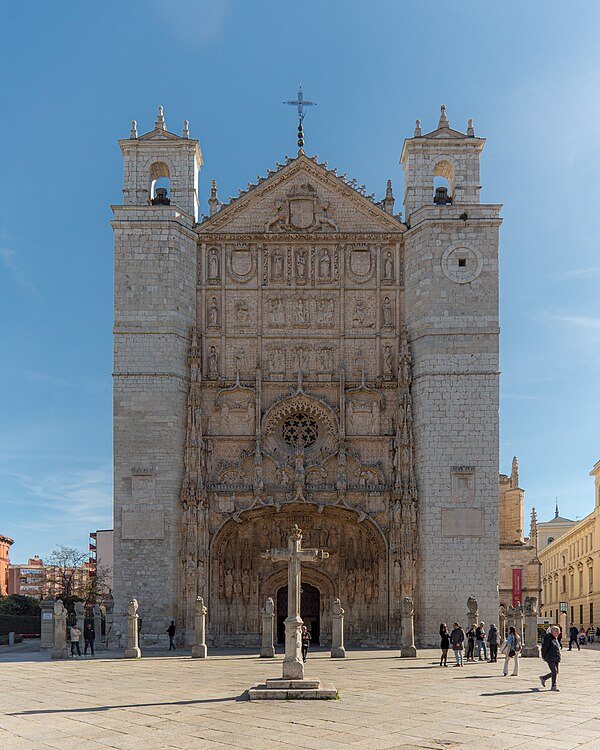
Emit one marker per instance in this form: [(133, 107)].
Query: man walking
[(573, 633), (171, 632), (480, 641), (551, 655)]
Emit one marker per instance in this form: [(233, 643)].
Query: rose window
[(300, 430)]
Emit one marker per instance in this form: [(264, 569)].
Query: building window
[(591, 613), (591, 578), (581, 614), (572, 615)]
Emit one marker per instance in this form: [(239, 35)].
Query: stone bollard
[(80, 616), (133, 650), (502, 624), (267, 649), (11, 639), (530, 646), (337, 631), (472, 613), (519, 620), (199, 647), (47, 624), (59, 649), (510, 618), (97, 613), (109, 606), (407, 648)]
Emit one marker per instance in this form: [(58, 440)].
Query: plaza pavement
[(171, 701)]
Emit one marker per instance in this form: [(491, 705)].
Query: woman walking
[(457, 641), (511, 650), (444, 644)]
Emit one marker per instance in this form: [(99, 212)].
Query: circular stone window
[(300, 430), (462, 264)]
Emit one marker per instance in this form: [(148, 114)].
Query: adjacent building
[(101, 556), (28, 579), (5, 543), (570, 567)]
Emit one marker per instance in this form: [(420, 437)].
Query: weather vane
[(301, 102)]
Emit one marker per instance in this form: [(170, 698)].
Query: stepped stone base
[(281, 690)]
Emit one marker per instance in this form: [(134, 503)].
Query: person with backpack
[(480, 641), (444, 644), (512, 650), (457, 641)]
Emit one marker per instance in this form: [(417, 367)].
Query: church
[(305, 355)]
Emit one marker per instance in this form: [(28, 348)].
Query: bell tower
[(451, 302), (154, 310)]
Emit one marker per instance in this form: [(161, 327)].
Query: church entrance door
[(310, 611)]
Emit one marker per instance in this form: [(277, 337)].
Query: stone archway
[(356, 571)]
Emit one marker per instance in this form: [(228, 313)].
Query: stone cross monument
[(407, 647), (267, 649), (294, 555), (133, 650), (60, 631), (199, 650), (337, 630)]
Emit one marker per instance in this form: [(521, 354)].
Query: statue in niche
[(358, 319), (359, 363), (301, 265), (213, 264), (213, 363), (302, 315), (242, 313), (325, 359), (387, 361), (325, 265), (388, 267), (278, 264), (301, 359), (240, 359), (277, 311), (388, 319), (213, 313)]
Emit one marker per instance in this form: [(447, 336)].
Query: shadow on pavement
[(515, 692), (92, 709)]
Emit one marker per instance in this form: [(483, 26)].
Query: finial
[(417, 133), (160, 119), (556, 511), (514, 474), (133, 132), (186, 129), (388, 201), (470, 128), (300, 103), (300, 138), (213, 201), (443, 123)]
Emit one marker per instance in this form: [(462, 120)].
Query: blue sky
[(75, 74)]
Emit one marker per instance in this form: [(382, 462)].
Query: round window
[(300, 430)]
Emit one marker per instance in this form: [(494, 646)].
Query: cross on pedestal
[(293, 666)]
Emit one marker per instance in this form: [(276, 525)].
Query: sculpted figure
[(387, 360), (302, 311), (132, 608), (388, 319), (388, 267), (472, 606), (213, 313), (213, 362), (279, 220), (325, 266), (358, 319), (213, 264), (321, 219), (241, 311), (277, 264), (336, 608), (269, 606)]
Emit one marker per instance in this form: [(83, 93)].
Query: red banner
[(517, 586)]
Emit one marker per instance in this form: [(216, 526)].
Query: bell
[(160, 197), (441, 197)]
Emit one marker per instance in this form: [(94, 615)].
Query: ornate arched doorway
[(310, 611), (356, 571)]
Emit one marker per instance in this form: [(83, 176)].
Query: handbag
[(512, 652)]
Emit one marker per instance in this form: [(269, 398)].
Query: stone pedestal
[(109, 634), (133, 650), (97, 624), (199, 650), (510, 618), (337, 631), (530, 646), (293, 690), (519, 620), (59, 650), (501, 625), (407, 646), (472, 613), (267, 648), (47, 624), (80, 617)]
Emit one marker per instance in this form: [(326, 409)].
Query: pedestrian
[(551, 655), (471, 644), (493, 643), (171, 632), (75, 636), (598, 633), (573, 633), (590, 634), (89, 636), (581, 636), (305, 638), (444, 644), (512, 650), (480, 641), (457, 641)]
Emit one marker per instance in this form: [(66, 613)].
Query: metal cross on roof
[(301, 102)]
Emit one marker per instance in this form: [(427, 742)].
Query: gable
[(303, 197)]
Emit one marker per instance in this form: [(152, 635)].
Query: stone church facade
[(302, 355)]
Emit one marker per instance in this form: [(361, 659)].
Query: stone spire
[(533, 529), (186, 129), (213, 201), (388, 201), (556, 511), (443, 123), (470, 128), (514, 474), (418, 132), (133, 133), (160, 123)]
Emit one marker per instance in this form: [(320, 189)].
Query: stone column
[(519, 620), (267, 649), (510, 618), (109, 606), (80, 616), (530, 646), (501, 624), (407, 648), (472, 613), (199, 647), (337, 630), (133, 650), (59, 650), (97, 624), (47, 624)]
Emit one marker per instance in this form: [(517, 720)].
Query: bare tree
[(67, 563)]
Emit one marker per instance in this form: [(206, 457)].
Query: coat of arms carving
[(301, 211)]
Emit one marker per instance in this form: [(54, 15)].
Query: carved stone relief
[(214, 263), (300, 210), (360, 264), (387, 316), (388, 266), (213, 363), (213, 313), (242, 262)]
